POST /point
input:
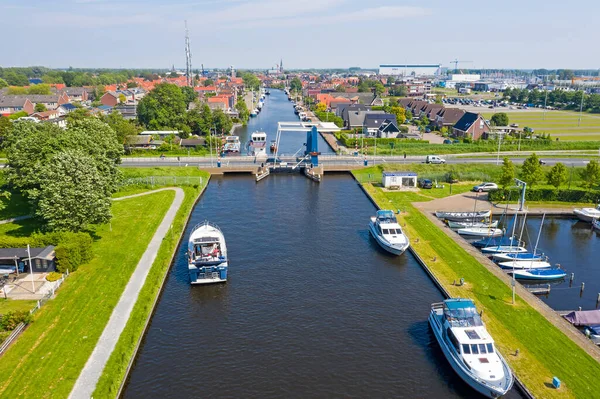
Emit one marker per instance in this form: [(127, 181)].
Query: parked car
[(485, 187), (434, 159), (447, 141), (542, 162), (425, 183)]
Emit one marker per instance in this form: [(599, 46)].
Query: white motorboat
[(525, 264), (469, 348), (587, 214), (503, 249), (257, 146), (480, 232), (387, 232), (459, 225), (207, 255), (593, 333), (596, 224), (461, 216), (517, 256)]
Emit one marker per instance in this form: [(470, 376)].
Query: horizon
[(256, 35)]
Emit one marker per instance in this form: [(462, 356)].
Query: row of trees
[(556, 98), (166, 108), (532, 173)]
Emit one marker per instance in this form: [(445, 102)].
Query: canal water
[(573, 245), (313, 307), (277, 108)]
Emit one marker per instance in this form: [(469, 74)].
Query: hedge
[(11, 320), (548, 194)]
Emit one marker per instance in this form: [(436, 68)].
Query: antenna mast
[(188, 58)]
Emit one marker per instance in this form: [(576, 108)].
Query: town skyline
[(306, 34)]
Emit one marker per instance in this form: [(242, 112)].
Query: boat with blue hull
[(517, 256), (539, 274), (207, 255), (495, 241), (503, 249), (469, 348), (387, 232)]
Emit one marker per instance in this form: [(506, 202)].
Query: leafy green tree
[(207, 119), (39, 89), (3, 83), (321, 107), (16, 79), (163, 107), (508, 173), (40, 107), (209, 82), (379, 88), (400, 114), (121, 126), (591, 174), (5, 126), (557, 175), (75, 193), (17, 115), (531, 171), (250, 81), (499, 119), (408, 114), (16, 91), (122, 98), (131, 85), (242, 109), (222, 122), (190, 94), (391, 80), (296, 84)]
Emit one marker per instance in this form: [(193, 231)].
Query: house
[(64, 109), (13, 104), (110, 98), (447, 117), (192, 143), (129, 111), (77, 93), (388, 130), (399, 179), (142, 142), (374, 122), (54, 116), (471, 125), (50, 101), (344, 110), (356, 119), (43, 260)]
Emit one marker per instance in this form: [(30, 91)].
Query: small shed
[(43, 259), (399, 179)]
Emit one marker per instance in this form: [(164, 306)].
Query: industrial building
[(410, 69)]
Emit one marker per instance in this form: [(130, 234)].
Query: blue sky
[(305, 33)]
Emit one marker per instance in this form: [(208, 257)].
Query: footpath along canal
[(313, 307)]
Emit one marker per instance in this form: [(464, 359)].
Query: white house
[(399, 179)]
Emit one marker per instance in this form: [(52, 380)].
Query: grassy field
[(544, 351), (55, 347), (10, 305), (116, 367)]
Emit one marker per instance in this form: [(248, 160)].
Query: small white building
[(399, 179)]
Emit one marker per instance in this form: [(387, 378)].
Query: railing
[(13, 335)]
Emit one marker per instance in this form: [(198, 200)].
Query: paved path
[(15, 219), (86, 383)]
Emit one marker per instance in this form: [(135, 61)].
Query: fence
[(151, 181)]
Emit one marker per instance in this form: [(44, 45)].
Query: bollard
[(582, 287), (454, 282), (598, 300), (580, 308), (572, 277), (434, 258), (462, 282)]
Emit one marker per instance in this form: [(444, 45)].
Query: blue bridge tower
[(312, 146)]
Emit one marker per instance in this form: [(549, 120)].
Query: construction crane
[(456, 62)]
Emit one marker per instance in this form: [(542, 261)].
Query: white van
[(434, 159)]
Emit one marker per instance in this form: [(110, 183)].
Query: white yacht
[(503, 249), (525, 264), (459, 225), (587, 214), (257, 146), (232, 144), (387, 232), (469, 348), (207, 255), (480, 232)]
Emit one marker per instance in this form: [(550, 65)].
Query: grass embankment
[(115, 369), (11, 305), (55, 347), (544, 351)]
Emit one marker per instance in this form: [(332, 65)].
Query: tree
[(408, 114), (40, 107), (399, 112), (208, 82), (16, 79), (3, 83), (391, 80), (250, 81), (190, 94), (321, 107), (296, 84), (121, 126), (591, 174), (122, 98), (39, 89), (163, 107), (508, 173), (242, 109), (531, 171), (222, 122), (5, 126), (379, 88), (557, 175), (207, 119), (499, 119), (75, 193)]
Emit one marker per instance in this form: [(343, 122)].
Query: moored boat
[(538, 274), (387, 232), (525, 264), (505, 249), (232, 144), (459, 225), (207, 255), (517, 256), (495, 241), (462, 216), (257, 144), (587, 214), (596, 224), (480, 232), (469, 348)]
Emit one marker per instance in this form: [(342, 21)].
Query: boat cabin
[(258, 138), (206, 251)]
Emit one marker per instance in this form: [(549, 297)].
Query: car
[(485, 187), (434, 159), (542, 162), (514, 125), (425, 183), (447, 141)]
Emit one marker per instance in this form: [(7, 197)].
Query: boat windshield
[(386, 216), (462, 314)]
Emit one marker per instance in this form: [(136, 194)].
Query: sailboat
[(479, 231)]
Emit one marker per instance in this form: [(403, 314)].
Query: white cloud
[(90, 21)]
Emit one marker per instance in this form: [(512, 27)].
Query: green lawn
[(10, 305), (162, 171), (47, 359), (544, 350), (114, 372), (556, 122)]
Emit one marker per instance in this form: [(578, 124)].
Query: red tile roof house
[(219, 100), (76, 93), (109, 98), (471, 125), (12, 104)]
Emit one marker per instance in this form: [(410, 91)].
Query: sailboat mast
[(539, 234)]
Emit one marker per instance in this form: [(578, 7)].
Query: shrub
[(53, 276), (10, 320), (73, 253), (547, 194)]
